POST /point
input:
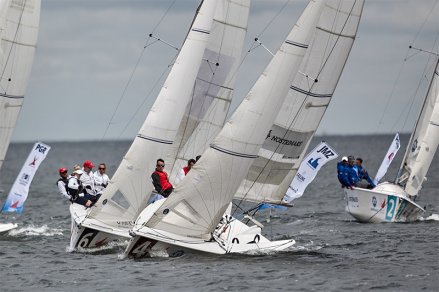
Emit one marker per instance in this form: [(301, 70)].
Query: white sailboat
[(19, 25), (393, 202), (192, 217), (187, 114)]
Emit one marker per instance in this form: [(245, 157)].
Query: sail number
[(391, 206)]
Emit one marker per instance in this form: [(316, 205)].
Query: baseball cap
[(88, 164), (344, 158), (62, 170), (79, 171)]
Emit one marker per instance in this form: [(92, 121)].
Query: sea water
[(333, 252)]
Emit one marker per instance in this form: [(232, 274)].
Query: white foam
[(432, 217), (32, 230)]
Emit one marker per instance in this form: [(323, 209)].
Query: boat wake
[(32, 230), (432, 217), (105, 249)]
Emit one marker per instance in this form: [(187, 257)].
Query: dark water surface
[(333, 252)]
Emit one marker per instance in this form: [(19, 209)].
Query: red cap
[(88, 164), (62, 170)]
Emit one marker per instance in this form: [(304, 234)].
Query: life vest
[(64, 180), (186, 170), (164, 182)]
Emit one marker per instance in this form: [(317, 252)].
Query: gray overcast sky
[(88, 49)]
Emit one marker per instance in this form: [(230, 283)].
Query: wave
[(432, 217), (32, 230)]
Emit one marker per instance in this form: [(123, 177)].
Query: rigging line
[(123, 94), (132, 74), (180, 144), (144, 100), (303, 102), (274, 17), (425, 20), (14, 41), (412, 100)]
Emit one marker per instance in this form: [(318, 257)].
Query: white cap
[(78, 171), (344, 158)]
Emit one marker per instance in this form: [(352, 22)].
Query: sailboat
[(19, 25), (197, 215), (188, 112), (393, 201)]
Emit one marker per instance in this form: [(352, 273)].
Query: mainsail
[(19, 23), (216, 36), (210, 102), (287, 140), (424, 141), (197, 204)]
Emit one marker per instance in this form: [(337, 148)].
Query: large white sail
[(19, 23), (206, 112), (424, 140), (200, 200), (309, 96), (161, 134)]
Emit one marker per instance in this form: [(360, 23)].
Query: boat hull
[(5, 227), (230, 237), (385, 203), (87, 234)]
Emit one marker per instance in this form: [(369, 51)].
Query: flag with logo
[(20, 189), (308, 169), (393, 149)]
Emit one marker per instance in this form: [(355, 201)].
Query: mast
[(420, 126), (199, 201)]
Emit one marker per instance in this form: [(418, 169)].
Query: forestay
[(287, 140), (424, 140), (197, 204), (19, 23), (193, 76), (207, 110)]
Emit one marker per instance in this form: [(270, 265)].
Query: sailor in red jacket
[(160, 179)]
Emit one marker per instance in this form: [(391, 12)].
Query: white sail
[(19, 23), (206, 112), (424, 141), (131, 185), (288, 139), (197, 204)]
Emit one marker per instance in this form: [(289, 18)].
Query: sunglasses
[(161, 165), (103, 168)]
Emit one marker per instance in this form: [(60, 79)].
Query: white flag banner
[(393, 149), (308, 169), (20, 189)]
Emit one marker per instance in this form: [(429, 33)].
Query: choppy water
[(332, 253)]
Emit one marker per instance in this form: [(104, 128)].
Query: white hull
[(5, 227), (233, 237), (387, 202), (92, 233)]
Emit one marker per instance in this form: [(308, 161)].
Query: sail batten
[(287, 141), (200, 81), (211, 184), (19, 25)]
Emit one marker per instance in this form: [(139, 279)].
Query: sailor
[(87, 178), (100, 178), (362, 173), (62, 182), (352, 174), (160, 179), (342, 172), (183, 172), (76, 190)]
